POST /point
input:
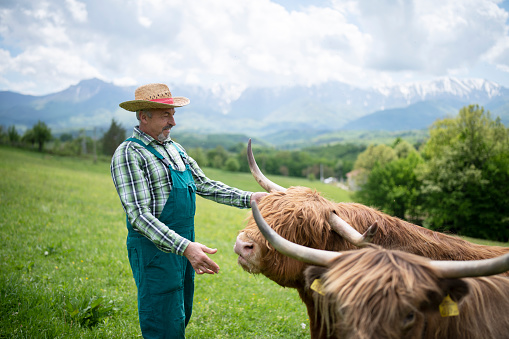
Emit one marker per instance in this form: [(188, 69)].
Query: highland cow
[(303, 216)]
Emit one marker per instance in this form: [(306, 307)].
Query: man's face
[(159, 125)]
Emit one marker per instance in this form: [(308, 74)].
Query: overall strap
[(151, 150), (183, 155)]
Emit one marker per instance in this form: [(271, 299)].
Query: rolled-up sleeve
[(218, 191)]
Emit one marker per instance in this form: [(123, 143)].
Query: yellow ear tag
[(448, 307), (317, 286)]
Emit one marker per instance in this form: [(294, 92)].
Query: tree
[(41, 134), (199, 156), (394, 187), (112, 138), (217, 157), (64, 137), (13, 135), (29, 137), (366, 161), (232, 164), (3, 135), (465, 179), (381, 154), (403, 148)]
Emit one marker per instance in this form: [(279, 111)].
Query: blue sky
[(229, 45)]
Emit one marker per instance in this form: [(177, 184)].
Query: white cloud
[(78, 10), (229, 45), (429, 36)]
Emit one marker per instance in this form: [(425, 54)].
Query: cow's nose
[(243, 248)]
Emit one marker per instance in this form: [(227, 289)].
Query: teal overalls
[(165, 281)]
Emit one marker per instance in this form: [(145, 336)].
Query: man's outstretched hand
[(196, 254), (257, 196)]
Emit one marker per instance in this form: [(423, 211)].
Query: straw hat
[(153, 96)]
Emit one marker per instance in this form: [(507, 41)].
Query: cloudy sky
[(228, 45)]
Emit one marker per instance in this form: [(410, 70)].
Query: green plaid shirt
[(143, 184)]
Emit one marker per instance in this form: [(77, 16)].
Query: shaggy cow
[(303, 216), (378, 293)]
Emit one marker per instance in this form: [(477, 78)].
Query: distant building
[(330, 180)]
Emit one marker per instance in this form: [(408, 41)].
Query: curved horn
[(302, 253), (350, 234), (472, 268), (258, 175)]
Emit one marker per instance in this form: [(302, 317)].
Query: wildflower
[(303, 326)]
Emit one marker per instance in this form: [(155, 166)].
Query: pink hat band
[(168, 101)]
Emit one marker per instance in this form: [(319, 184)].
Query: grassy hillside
[(62, 235)]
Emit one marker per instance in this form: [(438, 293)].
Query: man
[(156, 182)]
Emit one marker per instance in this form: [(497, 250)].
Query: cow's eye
[(409, 320)]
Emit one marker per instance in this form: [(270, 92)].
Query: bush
[(232, 165)]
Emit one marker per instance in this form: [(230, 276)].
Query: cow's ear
[(457, 289), (312, 273)]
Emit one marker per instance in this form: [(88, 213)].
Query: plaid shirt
[(143, 184)]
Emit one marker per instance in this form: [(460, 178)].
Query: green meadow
[(64, 267)]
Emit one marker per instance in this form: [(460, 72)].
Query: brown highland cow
[(303, 216)]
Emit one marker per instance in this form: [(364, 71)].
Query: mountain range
[(266, 111)]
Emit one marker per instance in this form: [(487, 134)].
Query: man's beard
[(161, 136)]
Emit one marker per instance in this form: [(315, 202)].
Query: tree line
[(41, 138), (311, 163)]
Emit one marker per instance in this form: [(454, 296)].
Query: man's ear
[(143, 117)]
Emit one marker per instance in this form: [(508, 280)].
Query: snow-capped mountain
[(442, 88), (258, 111)]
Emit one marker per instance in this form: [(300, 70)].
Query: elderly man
[(157, 181)]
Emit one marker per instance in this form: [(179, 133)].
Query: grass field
[(64, 264)]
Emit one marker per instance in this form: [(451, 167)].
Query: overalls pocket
[(134, 261)]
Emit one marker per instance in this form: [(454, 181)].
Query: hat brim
[(136, 105)]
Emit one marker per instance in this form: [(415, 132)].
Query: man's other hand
[(196, 254)]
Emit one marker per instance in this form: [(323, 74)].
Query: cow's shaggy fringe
[(369, 294)]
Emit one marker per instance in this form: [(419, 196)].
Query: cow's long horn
[(350, 234), (258, 175), (302, 253), (472, 268)]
